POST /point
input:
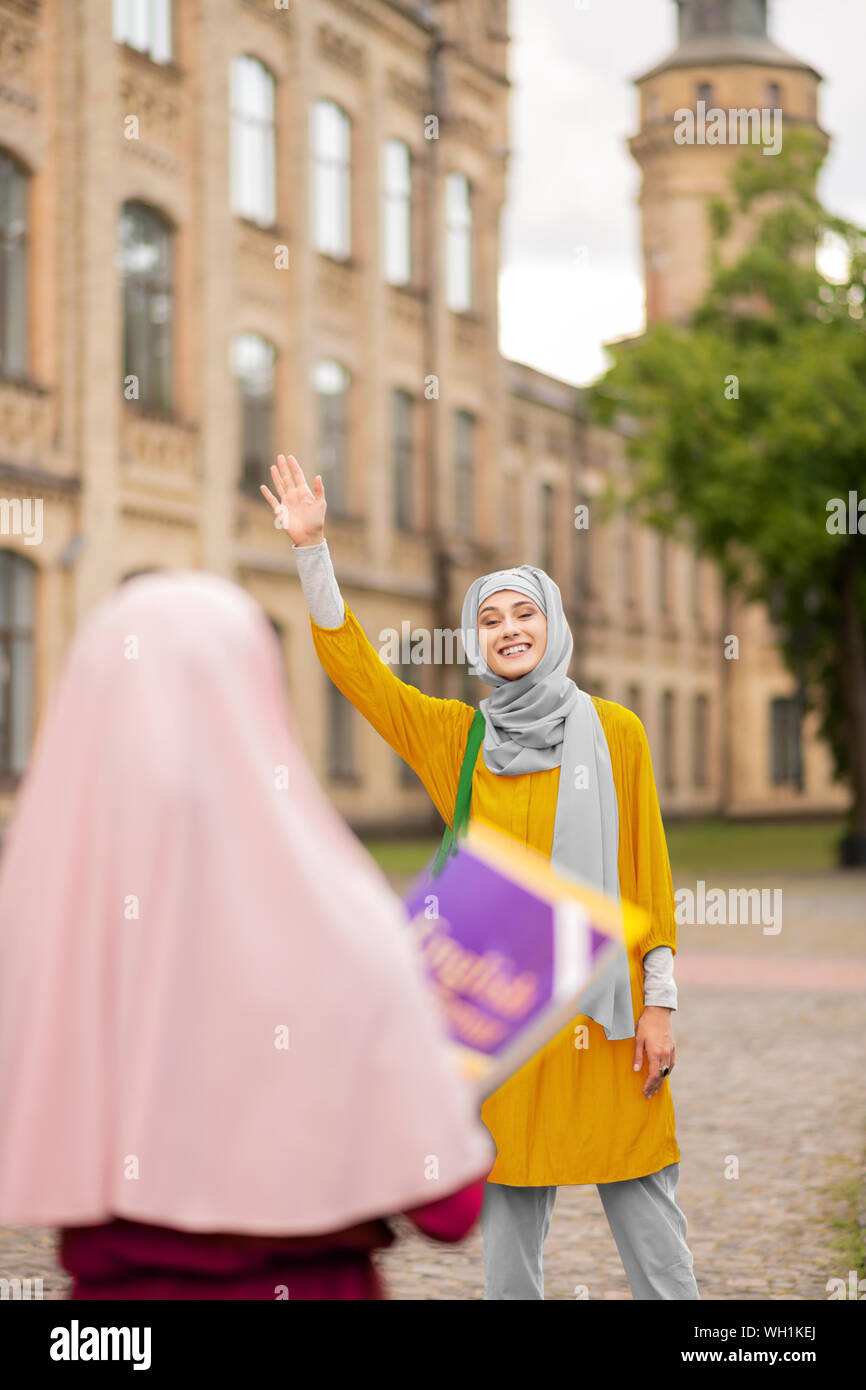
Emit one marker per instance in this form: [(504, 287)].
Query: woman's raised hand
[(299, 511)]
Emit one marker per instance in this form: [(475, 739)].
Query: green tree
[(745, 426)]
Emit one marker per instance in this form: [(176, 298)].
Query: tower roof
[(713, 33)]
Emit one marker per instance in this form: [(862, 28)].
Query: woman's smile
[(512, 633)]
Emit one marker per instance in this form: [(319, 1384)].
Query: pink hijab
[(211, 1014)]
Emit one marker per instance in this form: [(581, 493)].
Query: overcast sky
[(571, 268)]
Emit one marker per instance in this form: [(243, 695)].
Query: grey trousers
[(644, 1218)]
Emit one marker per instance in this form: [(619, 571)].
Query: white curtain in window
[(145, 25), (253, 142), (458, 243), (330, 134), (397, 212)]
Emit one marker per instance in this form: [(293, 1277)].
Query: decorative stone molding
[(406, 308), (336, 47), (337, 283), (160, 451), (153, 97), (471, 132), (468, 334), (18, 41), (416, 95), (266, 9), (25, 422)]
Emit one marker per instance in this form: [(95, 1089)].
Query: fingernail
[(636, 1067)]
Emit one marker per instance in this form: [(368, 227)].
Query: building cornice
[(730, 51)]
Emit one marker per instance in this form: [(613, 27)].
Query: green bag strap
[(463, 799)]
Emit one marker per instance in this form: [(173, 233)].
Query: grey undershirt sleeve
[(327, 609), (319, 583), (658, 978)]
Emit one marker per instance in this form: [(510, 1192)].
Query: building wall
[(125, 489)]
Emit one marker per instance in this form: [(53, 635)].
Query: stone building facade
[(234, 227)]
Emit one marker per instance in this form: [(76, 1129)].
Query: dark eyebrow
[(491, 607)]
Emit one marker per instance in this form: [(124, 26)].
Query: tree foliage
[(753, 417)]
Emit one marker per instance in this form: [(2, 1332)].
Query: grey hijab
[(543, 720)]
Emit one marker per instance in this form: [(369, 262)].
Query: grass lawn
[(698, 849)]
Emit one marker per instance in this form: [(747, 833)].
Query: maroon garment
[(131, 1260)]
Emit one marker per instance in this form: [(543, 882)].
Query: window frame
[(336, 243), (460, 232), (15, 253), (158, 399), (260, 207), (13, 567), (404, 199)]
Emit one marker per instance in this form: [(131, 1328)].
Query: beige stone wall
[(124, 490)]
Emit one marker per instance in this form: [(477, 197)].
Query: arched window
[(145, 25), (145, 260), (397, 212), (253, 142), (253, 361), (330, 203), (331, 385), (17, 617), (458, 242), (13, 267), (705, 94)]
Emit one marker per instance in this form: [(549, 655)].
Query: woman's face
[(512, 633)]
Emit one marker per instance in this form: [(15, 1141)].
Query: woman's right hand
[(299, 511)]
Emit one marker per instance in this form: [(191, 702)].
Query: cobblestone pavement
[(769, 1073)]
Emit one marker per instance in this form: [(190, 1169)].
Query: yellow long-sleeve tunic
[(571, 1114)]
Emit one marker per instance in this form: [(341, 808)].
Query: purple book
[(509, 945)]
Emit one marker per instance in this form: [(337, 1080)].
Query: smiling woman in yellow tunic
[(594, 1105)]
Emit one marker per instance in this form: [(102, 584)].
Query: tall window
[(697, 588), (331, 136), (145, 260), (341, 736), (663, 556), (629, 566), (464, 472), (397, 212), (282, 643), (13, 267), (669, 770), (546, 523), (774, 96), (634, 700), (253, 143), (402, 455), (145, 25), (458, 242), (700, 740), (253, 367), (583, 562), (331, 385), (784, 742), (17, 612), (705, 93)]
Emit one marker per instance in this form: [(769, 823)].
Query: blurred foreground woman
[(219, 1064)]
